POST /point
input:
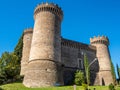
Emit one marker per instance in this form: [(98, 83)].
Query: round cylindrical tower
[(102, 53), (27, 38), (45, 54)]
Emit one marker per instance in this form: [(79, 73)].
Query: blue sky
[(82, 19)]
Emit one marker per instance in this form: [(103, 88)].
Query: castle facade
[(49, 59)]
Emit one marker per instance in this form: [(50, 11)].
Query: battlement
[(28, 30), (75, 44), (54, 8), (99, 39)]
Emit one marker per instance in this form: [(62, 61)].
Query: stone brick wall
[(72, 56), (71, 53), (47, 58), (27, 38), (103, 55), (45, 54)]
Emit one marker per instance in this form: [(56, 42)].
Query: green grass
[(20, 86)]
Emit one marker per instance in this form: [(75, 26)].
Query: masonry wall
[(105, 75), (71, 53), (27, 38), (72, 56), (45, 53)]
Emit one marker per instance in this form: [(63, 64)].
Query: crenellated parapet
[(54, 8), (103, 55), (45, 51), (99, 40), (28, 30), (79, 45)]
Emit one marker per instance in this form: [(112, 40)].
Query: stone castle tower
[(48, 59), (102, 53), (26, 49), (45, 53)]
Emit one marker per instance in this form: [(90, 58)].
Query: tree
[(87, 70), (18, 49), (10, 63), (113, 72), (118, 73), (79, 78), (2, 73), (8, 67)]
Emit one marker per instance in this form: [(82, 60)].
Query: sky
[(82, 19)]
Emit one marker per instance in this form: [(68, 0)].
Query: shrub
[(79, 78), (85, 86), (1, 88), (9, 68), (111, 87)]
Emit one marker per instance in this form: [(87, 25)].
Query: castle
[(49, 59)]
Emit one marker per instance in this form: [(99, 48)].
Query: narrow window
[(80, 63)]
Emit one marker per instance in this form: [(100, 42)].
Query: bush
[(85, 86), (9, 68), (111, 87), (79, 78), (1, 88)]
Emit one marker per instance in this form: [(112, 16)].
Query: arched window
[(80, 63), (80, 60)]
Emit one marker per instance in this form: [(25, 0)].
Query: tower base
[(42, 73), (105, 77)]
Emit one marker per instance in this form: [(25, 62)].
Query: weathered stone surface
[(103, 55), (27, 38), (41, 73), (45, 50), (72, 57), (49, 60), (105, 77)]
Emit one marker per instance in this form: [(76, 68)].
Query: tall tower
[(45, 53), (27, 38), (102, 53)]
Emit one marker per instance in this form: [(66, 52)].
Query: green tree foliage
[(2, 74), (18, 49), (10, 63), (111, 87), (87, 70), (9, 69), (118, 73), (113, 72), (79, 78)]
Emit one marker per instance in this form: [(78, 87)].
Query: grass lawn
[(20, 86)]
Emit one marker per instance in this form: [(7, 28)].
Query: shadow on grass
[(1, 88)]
